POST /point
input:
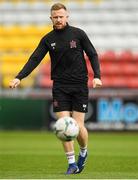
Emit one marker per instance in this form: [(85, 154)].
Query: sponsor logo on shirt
[(53, 45)]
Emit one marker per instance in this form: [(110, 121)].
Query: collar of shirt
[(61, 30)]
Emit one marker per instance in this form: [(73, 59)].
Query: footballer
[(66, 45)]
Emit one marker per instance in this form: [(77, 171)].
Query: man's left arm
[(93, 57)]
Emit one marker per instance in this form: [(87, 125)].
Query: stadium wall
[(108, 110)]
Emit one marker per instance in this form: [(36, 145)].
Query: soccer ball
[(66, 129)]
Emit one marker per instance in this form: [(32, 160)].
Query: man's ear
[(50, 17), (67, 15)]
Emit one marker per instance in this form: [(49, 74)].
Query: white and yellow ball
[(66, 129)]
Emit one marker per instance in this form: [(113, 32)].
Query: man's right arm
[(32, 63)]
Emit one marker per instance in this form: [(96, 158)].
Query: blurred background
[(112, 26)]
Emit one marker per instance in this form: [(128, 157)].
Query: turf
[(39, 155)]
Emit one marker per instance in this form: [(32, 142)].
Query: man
[(66, 46)]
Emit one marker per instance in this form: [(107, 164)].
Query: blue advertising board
[(108, 114)]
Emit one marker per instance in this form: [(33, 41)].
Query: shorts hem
[(59, 110), (70, 110)]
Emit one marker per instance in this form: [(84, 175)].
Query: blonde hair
[(58, 6)]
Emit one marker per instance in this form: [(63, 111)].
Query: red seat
[(135, 57), (45, 69), (133, 82), (120, 81), (44, 82), (107, 56), (125, 56), (110, 68), (130, 69), (117, 81), (122, 68)]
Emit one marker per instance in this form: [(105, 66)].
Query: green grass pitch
[(39, 155)]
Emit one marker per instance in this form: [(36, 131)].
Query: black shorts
[(70, 98)]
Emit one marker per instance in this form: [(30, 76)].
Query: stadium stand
[(120, 71), (16, 45), (111, 25)]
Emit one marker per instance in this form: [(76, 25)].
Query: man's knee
[(62, 114)]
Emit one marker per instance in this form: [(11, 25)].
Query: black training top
[(66, 48)]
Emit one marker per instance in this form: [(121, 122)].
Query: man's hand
[(14, 83), (97, 83)]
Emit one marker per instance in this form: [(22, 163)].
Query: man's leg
[(82, 139), (68, 147), (83, 134)]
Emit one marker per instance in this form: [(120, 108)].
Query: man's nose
[(58, 19)]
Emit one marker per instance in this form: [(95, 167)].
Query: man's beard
[(59, 26)]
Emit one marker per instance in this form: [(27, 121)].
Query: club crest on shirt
[(73, 44)]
